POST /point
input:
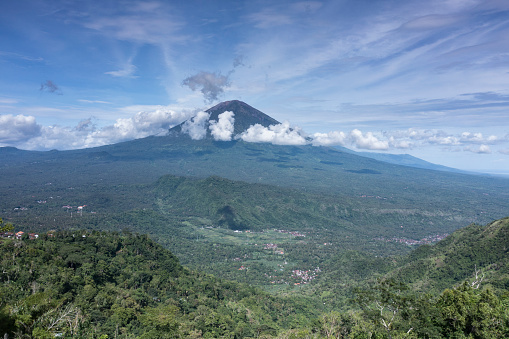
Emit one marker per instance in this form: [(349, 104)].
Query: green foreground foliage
[(107, 285), (91, 284), (461, 312)]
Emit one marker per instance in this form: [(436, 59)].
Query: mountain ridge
[(408, 160)]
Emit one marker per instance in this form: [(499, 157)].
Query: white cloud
[(196, 126), (142, 124), (58, 137), (447, 140), (16, 129), (24, 132), (438, 137), (281, 134), (401, 144), (420, 134), (222, 129), (477, 138), (483, 149), (357, 139), (367, 141), (333, 138)]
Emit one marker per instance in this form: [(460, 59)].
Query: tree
[(387, 304), (5, 227), (466, 312), (161, 322)]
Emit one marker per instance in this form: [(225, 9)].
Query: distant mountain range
[(407, 160)]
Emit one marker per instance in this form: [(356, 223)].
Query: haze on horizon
[(425, 78)]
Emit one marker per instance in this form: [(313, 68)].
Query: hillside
[(92, 284), (470, 250), (86, 284), (473, 253)]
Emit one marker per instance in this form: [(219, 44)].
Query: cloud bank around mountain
[(25, 132), (196, 126), (281, 134), (222, 129)]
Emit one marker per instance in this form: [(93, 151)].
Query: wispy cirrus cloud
[(127, 71), (269, 18), (94, 101), (8, 101), (11, 55), (146, 23)]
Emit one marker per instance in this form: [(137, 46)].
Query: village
[(31, 235), (18, 235), (296, 278), (283, 273), (430, 239)]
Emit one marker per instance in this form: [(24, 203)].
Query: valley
[(318, 232)]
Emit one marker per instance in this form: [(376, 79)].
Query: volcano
[(244, 115)]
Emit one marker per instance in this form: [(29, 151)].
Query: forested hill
[(474, 249), (93, 284), (110, 285), (239, 205), (473, 252)]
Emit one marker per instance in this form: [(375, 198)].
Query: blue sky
[(427, 78)]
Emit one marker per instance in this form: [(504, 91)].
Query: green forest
[(92, 284)]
